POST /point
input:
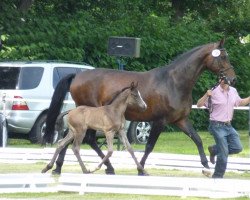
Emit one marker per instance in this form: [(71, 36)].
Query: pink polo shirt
[(223, 103)]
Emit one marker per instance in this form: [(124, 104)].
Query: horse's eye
[(223, 57)]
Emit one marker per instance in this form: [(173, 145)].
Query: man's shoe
[(206, 172), (212, 155)]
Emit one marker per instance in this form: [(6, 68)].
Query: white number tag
[(216, 53)]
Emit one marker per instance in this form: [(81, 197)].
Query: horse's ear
[(132, 85), (221, 43), (136, 84)]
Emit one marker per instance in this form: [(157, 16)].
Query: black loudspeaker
[(124, 46)]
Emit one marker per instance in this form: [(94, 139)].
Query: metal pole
[(4, 128), (249, 129), (120, 64), (120, 67)]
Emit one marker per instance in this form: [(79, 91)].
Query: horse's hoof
[(205, 164), (142, 173), (146, 173), (56, 172), (207, 172), (44, 170), (110, 171)]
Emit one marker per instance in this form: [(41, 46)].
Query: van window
[(30, 77), (60, 72), (9, 77), (21, 78)]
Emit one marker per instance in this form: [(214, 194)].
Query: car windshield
[(20, 78)]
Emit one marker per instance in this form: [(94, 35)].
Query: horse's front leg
[(157, 128), (188, 129), (90, 139), (109, 138), (124, 139), (61, 144)]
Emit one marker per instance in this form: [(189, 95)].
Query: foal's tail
[(55, 106)]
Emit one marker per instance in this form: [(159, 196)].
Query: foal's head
[(134, 98), (218, 62)]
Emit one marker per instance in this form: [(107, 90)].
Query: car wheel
[(139, 132), (38, 130)]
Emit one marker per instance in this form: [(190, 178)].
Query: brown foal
[(109, 118)]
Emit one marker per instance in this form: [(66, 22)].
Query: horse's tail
[(55, 106)]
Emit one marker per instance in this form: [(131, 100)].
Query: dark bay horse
[(166, 90), (110, 119)]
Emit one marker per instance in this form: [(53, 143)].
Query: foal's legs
[(76, 148), (61, 144), (90, 139), (109, 138), (124, 139), (60, 158)]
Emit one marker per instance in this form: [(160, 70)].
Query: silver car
[(26, 89)]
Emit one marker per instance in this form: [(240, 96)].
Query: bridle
[(221, 75)]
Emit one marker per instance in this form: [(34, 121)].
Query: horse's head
[(218, 62), (135, 98)]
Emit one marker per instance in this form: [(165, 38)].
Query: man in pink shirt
[(227, 141)]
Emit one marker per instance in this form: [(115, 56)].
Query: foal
[(109, 119)]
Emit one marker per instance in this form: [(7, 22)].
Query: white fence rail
[(155, 160), (13, 183), (120, 184), (150, 185)]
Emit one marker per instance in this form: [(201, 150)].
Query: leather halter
[(221, 76)]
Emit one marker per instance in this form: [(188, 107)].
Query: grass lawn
[(172, 142)]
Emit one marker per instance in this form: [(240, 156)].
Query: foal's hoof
[(110, 171), (207, 172)]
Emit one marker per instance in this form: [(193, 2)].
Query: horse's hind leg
[(124, 139), (61, 144), (76, 149), (109, 139), (90, 139)]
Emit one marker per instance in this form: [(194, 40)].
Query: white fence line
[(154, 185), (32, 182), (150, 185), (125, 184), (155, 160)]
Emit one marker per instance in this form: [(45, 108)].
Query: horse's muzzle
[(144, 107), (229, 80)]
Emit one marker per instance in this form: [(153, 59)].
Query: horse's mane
[(116, 94), (185, 55)]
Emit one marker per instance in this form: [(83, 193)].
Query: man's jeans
[(227, 142)]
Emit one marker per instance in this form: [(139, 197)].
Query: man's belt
[(228, 123)]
